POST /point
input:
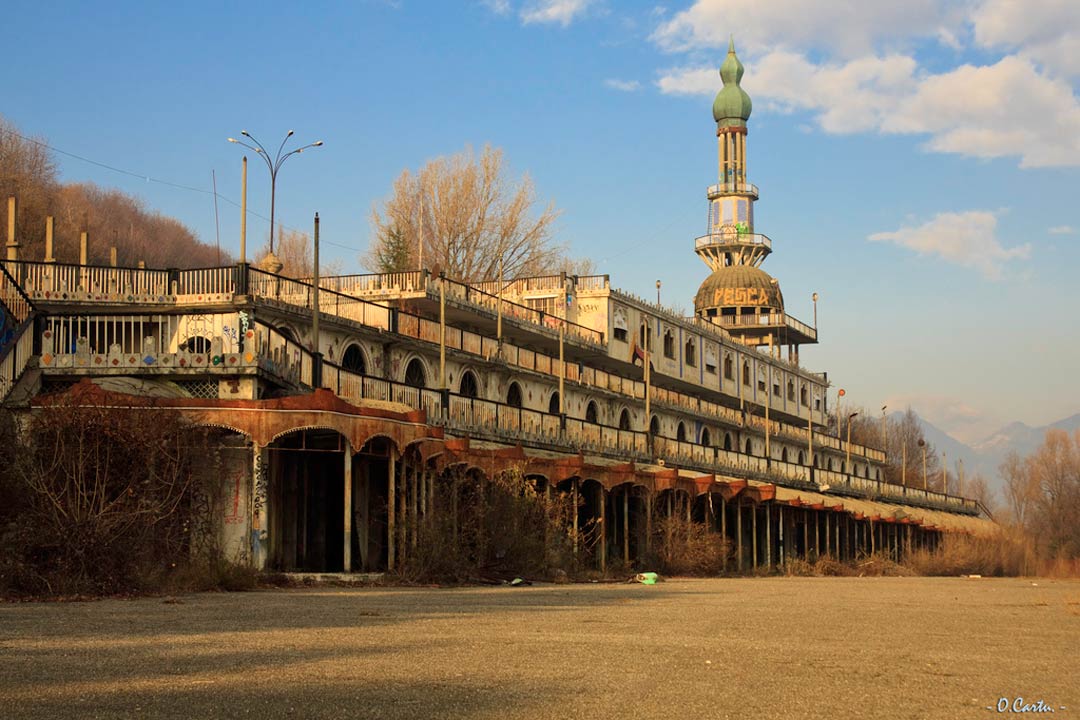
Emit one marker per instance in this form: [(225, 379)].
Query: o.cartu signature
[(1020, 705)]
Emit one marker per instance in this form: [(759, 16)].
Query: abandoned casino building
[(338, 425)]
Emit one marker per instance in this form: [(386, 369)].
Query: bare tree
[(468, 216), (296, 252)]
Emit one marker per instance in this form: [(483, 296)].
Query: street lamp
[(658, 292), (849, 419), (273, 166)]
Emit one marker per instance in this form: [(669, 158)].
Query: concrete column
[(414, 483), (738, 534), (260, 475), (827, 533), (347, 563), (768, 537), (753, 534), (391, 514), (626, 523), (603, 528)]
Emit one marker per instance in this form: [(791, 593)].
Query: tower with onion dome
[(739, 295)]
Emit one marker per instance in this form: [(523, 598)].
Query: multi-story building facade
[(628, 407)]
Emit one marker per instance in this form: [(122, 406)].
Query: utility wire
[(148, 178)]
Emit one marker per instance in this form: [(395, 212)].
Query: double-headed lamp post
[(273, 166)]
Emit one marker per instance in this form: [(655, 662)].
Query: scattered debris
[(645, 578)]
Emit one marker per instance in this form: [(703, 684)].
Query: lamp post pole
[(849, 419), (922, 444), (273, 166)]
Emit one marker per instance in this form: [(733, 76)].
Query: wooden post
[(391, 514), (817, 534), (872, 542), (49, 240), (562, 373), (648, 520), (828, 535), (625, 522), (12, 243), (347, 564), (780, 532), (83, 242)]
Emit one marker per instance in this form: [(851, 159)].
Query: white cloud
[(499, 7), (965, 238), (1000, 110), (623, 85), (843, 27), (1047, 31), (563, 12), (1062, 230)]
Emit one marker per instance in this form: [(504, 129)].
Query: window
[(776, 386), (802, 395), (548, 305), (745, 373), (705, 439), (783, 454), (654, 426), (468, 387), (353, 360), (749, 447), (710, 359), (414, 373), (513, 395), (553, 403), (791, 390), (729, 367), (590, 412), (619, 325), (669, 344), (727, 441), (691, 353), (761, 381), (680, 433), (624, 419)]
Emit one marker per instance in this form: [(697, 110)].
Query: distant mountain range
[(986, 456)]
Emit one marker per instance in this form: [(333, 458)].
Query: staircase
[(17, 315)]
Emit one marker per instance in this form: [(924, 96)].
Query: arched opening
[(305, 501), (624, 419), (745, 373), (196, 345), (553, 403), (468, 387), (705, 439), (802, 458), (783, 454), (415, 375), (590, 413), (749, 447), (680, 433), (513, 395), (654, 426), (727, 441), (353, 360)]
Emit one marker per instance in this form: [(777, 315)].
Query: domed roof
[(739, 286), (732, 105)]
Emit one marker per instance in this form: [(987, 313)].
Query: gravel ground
[(746, 648)]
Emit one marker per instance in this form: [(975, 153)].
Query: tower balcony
[(733, 239), (733, 187)]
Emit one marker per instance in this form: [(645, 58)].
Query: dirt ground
[(746, 648)]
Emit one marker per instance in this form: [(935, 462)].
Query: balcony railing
[(718, 239), (732, 187)]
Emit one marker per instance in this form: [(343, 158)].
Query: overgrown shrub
[(491, 527), (100, 500), (684, 547)]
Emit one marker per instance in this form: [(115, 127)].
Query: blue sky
[(918, 161)]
